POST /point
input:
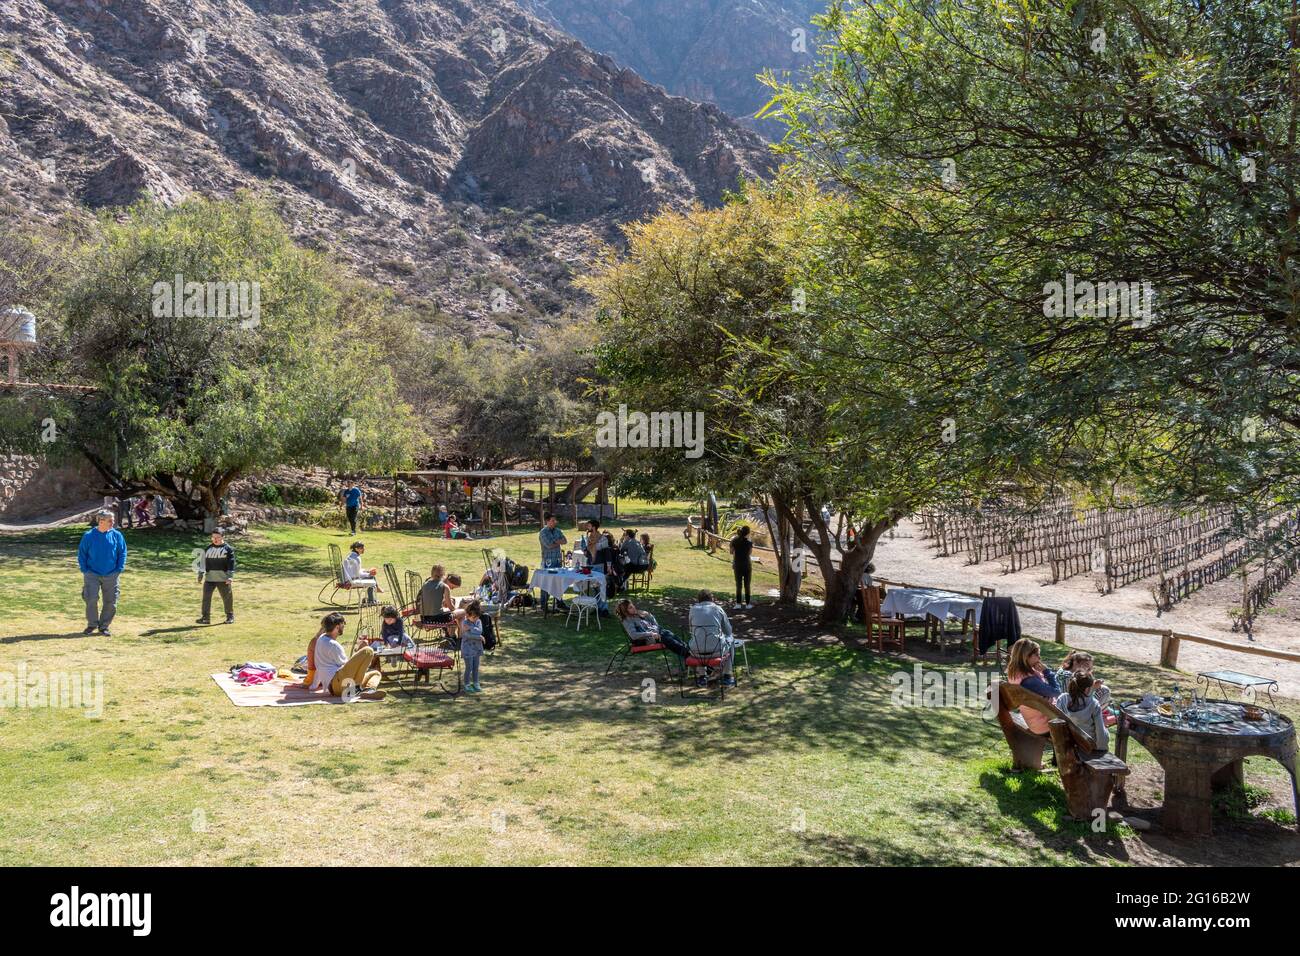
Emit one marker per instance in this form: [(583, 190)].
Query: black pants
[(352, 517), (227, 597), (743, 577)]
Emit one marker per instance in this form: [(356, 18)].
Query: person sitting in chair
[(435, 602), (355, 576), (452, 529), (635, 560), (711, 636), (332, 666), (642, 628), (1025, 667), (1084, 710)]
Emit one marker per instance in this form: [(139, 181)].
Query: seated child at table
[(1083, 709), (1080, 662), (392, 630)]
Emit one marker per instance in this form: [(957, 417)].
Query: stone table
[(1203, 751)]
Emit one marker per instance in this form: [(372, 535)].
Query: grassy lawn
[(553, 763)]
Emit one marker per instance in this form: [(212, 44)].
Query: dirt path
[(908, 557)]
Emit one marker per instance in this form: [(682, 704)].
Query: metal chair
[(400, 598), (629, 651), (708, 651), (435, 652), (352, 596), (586, 604)]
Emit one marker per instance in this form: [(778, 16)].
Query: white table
[(931, 603), (919, 602), (557, 581)]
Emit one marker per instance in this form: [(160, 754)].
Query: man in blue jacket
[(101, 557)]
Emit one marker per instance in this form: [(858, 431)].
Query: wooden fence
[(1170, 640)]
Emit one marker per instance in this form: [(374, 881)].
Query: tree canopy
[(1006, 146), (194, 390)]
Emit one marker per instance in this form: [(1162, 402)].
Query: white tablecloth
[(917, 602), (555, 583)]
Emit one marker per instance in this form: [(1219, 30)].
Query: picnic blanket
[(274, 693)]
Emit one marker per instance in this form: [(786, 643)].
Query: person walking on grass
[(353, 501), (218, 574), (101, 556)]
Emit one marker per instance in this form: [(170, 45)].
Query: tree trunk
[(840, 568)]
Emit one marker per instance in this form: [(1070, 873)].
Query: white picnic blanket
[(556, 582), (918, 602)]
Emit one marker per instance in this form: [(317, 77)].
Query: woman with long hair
[(1025, 667)]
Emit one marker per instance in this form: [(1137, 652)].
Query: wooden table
[(1201, 756)]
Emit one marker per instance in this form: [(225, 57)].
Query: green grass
[(552, 763)]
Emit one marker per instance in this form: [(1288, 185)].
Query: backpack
[(516, 574), (489, 633)]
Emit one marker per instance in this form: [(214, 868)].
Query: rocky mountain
[(451, 148), (707, 50)]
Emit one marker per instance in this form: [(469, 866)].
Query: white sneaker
[(737, 607), (749, 607)]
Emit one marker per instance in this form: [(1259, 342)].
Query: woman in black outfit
[(741, 566)]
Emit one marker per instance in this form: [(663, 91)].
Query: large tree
[(266, 358), (734, 313), (1001, 145)]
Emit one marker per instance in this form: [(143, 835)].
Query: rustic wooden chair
[(881, 630), (1087, 775), (641, 580)]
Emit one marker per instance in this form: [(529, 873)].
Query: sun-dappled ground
[(809, 762)]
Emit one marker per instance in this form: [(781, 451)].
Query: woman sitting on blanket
[(329, 666)]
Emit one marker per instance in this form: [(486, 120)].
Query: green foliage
[(304, 495), (991, 148), (775, 317), (185, 404)]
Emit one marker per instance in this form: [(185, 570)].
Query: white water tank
[(17, 327), (17, 334)]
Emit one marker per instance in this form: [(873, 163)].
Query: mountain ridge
[(446, 147)]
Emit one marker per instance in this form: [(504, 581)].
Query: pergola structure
[(442, 480)]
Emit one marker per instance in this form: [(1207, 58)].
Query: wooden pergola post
[(573, 499)]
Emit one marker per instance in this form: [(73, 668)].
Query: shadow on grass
[(162, 550), (1037, 802), (20, 638)]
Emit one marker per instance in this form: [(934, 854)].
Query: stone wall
[(31, 488)]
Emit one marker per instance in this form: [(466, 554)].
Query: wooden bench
[(1087, 775)]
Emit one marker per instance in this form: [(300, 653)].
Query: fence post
[(1060, 628), (1168, 650)]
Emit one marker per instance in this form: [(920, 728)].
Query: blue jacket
[(101, 553)]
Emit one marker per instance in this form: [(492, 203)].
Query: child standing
[(470, 623)]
